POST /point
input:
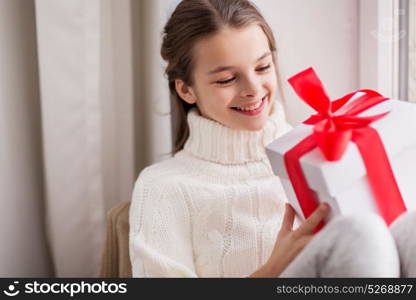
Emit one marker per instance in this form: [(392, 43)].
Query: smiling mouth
[(251, 108)]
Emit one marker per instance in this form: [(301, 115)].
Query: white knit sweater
[(212, 210)]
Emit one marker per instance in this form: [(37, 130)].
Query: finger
[(288, 219), (314, 219)]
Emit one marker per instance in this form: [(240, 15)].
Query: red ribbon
[(334, 126)]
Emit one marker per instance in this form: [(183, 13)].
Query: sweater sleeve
[(160, 242)]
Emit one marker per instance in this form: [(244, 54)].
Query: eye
[(225, 81), (263, 68)]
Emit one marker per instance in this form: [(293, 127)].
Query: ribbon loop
[(308, 87)]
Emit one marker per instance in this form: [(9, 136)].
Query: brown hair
[(191, 21)]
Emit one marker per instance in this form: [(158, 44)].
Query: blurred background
[(84, 105)]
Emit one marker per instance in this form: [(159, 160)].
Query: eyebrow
[(225, 68)]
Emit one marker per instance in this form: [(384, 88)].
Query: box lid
[(397, 131)]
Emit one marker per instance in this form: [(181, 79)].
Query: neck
[(212, 141)]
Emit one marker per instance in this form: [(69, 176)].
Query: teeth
[(253, 107)]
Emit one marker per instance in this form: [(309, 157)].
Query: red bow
[(334, 126)]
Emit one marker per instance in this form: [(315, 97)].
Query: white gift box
[(343, 183)]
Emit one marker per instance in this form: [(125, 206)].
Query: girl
[(215, 209)]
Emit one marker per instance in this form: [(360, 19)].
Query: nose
[(250, 87)]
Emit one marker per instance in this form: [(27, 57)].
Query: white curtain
[(77, 125), (24, 250)]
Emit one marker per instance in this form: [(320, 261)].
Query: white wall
[(322, 34)]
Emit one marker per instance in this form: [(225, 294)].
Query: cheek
[(223, 97), (271, 83), (213, 102)]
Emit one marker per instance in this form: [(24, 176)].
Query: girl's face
[(234, 78)]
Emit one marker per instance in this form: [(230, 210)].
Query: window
[(412, 51), (388, 47)]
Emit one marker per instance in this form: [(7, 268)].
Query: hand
[(290, 242)]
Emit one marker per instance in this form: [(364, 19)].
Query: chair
[(115, 260)]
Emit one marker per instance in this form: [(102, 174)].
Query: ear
[(185, 91)]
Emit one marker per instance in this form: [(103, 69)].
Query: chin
[(255, 127)]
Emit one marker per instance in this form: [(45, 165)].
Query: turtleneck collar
[(212, 141)]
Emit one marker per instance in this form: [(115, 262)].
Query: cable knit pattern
[(212, 210)]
